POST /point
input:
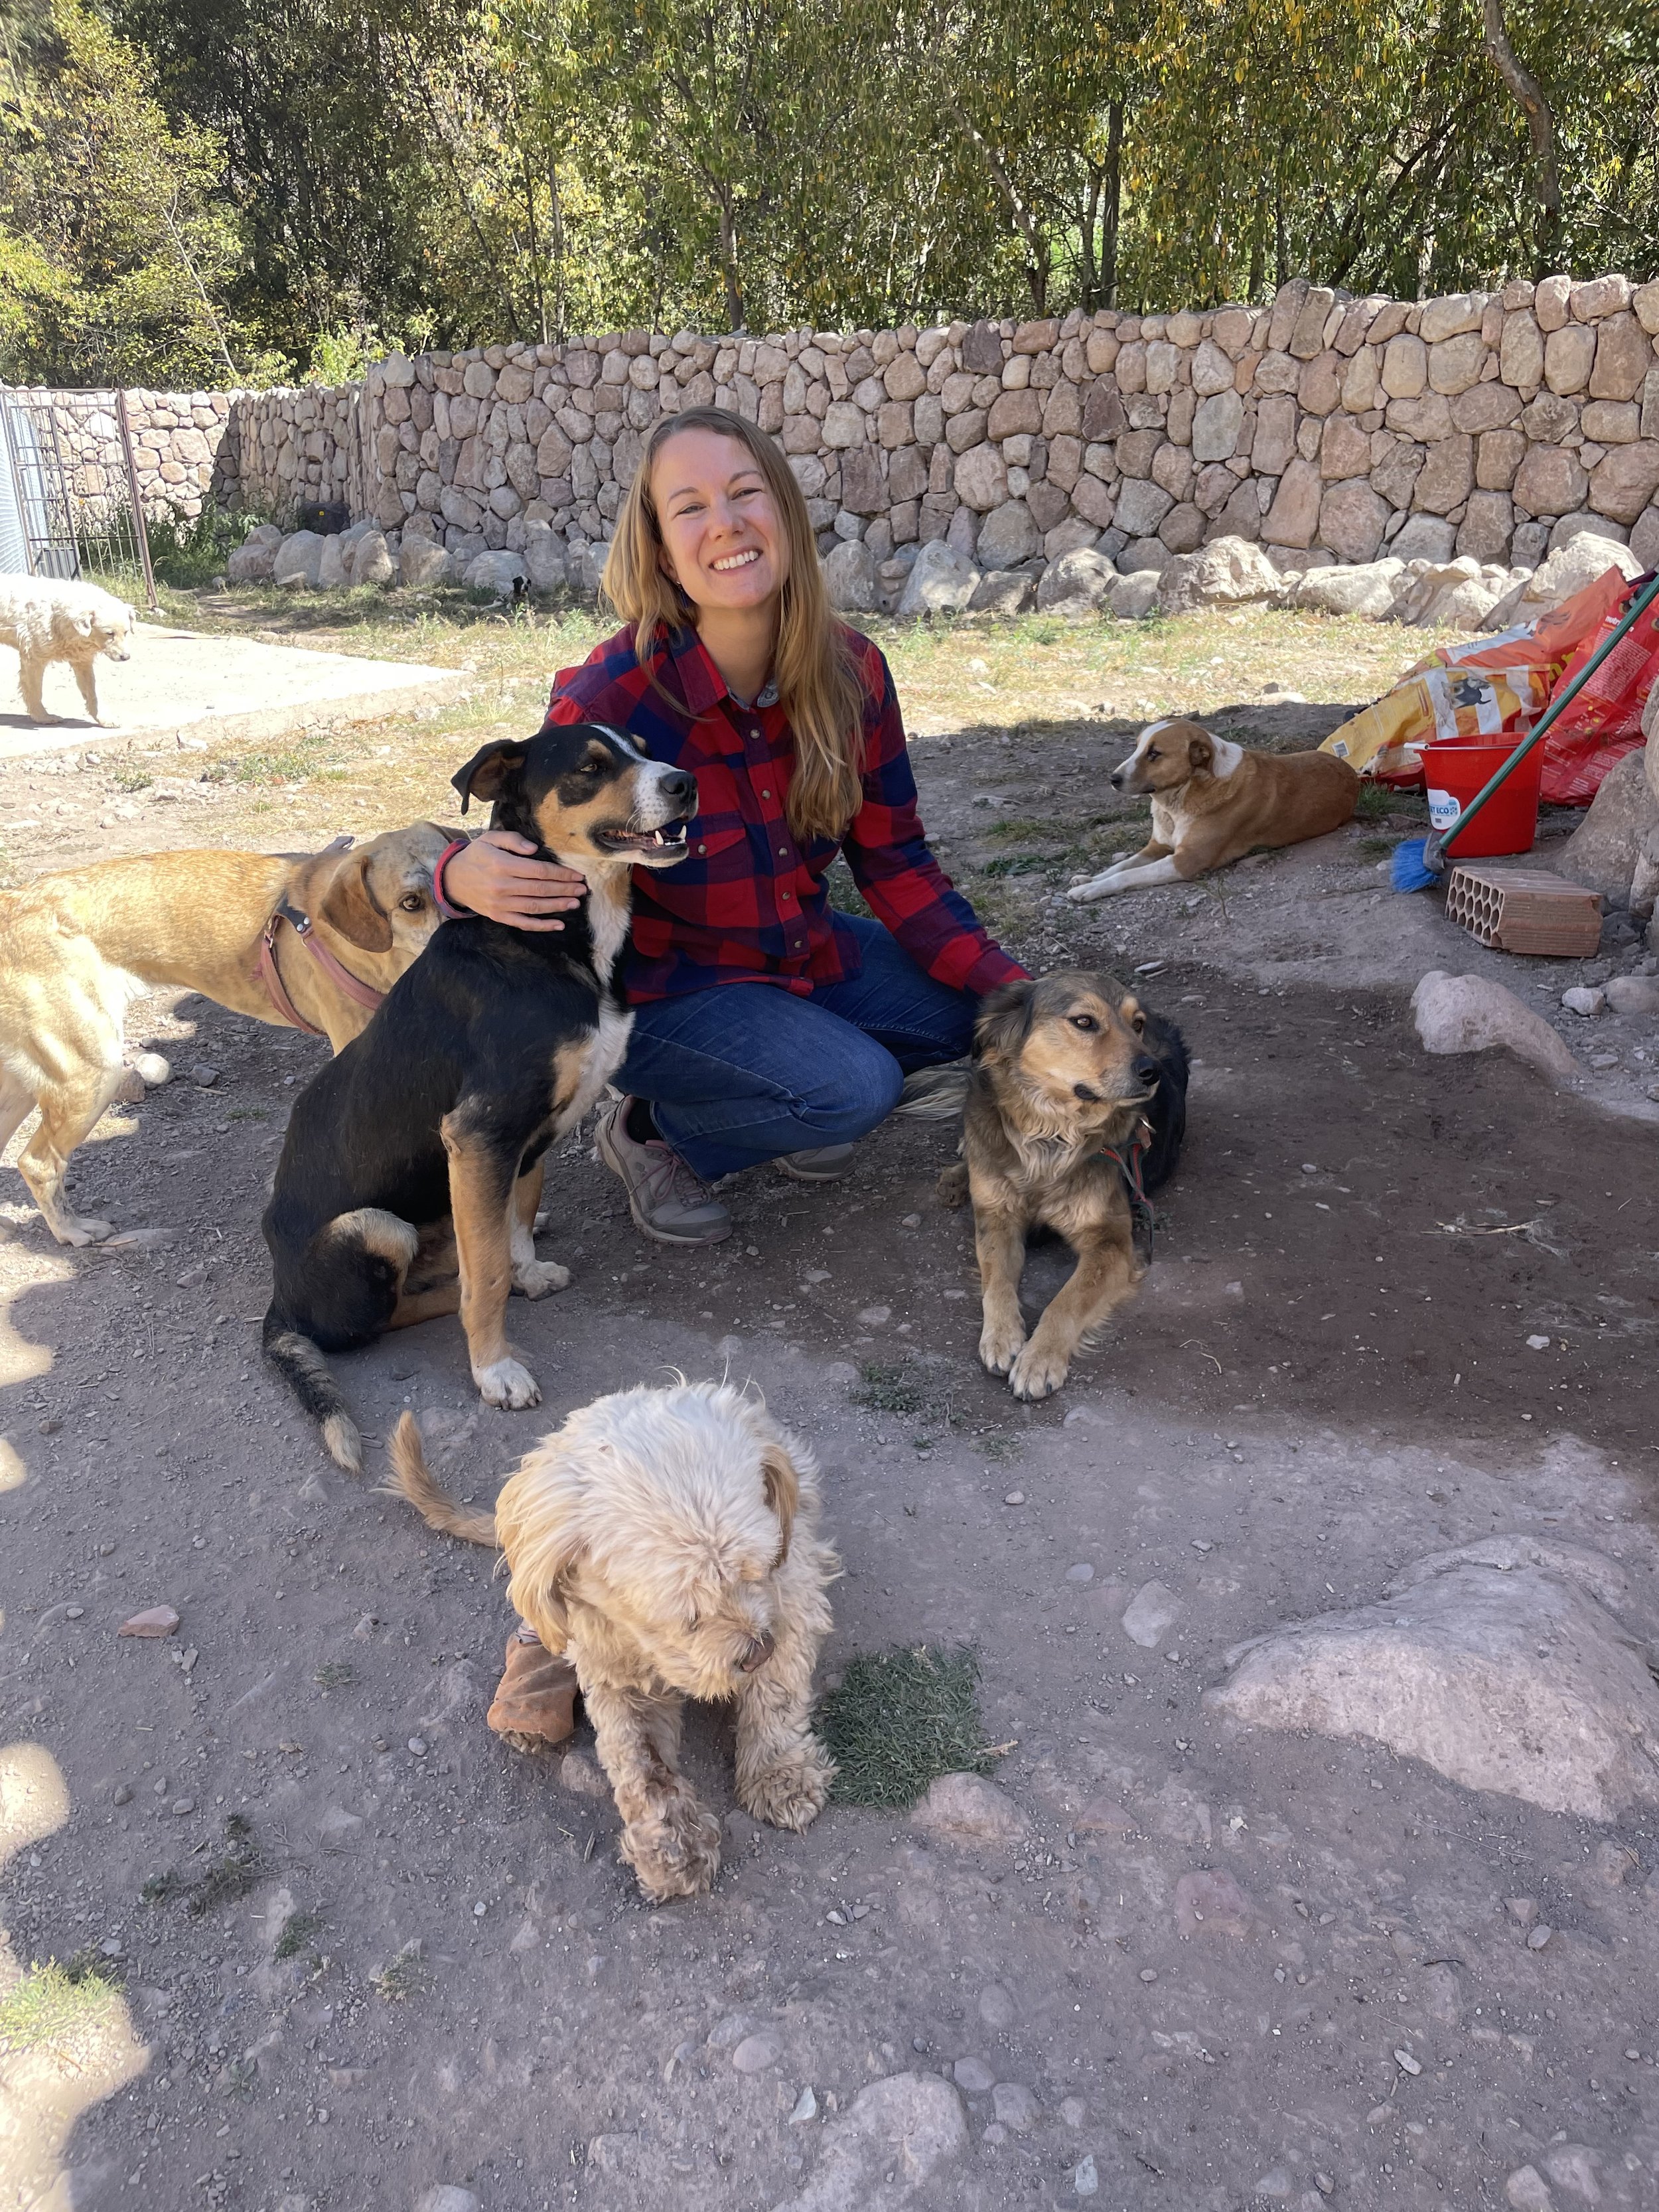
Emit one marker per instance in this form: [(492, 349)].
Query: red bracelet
[(449, 912)]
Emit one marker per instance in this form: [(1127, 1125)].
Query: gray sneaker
[(666, 1198), (824, 1164)]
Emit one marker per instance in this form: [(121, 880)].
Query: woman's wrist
[(446, 905)]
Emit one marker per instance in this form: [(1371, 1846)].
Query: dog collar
[(270, 975), (1140, 1206)]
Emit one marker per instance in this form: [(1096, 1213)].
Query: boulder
[(495, 572), (1634, 994), (850, 578), (1227, 572), (942, 581), (1471, 1013), (1515, 1664), (1567, 570), (1367, 589), (253, 561), (967, 1807), (1134, 596), (420, 561), (1003, 592), (1453, 593), (299, 559), (1424, 538), (1076, 584), (544, 559), (1603, 852), (1007, 535), (982, 479), (1351, 520), (370, 560)]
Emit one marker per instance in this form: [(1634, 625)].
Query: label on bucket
[(1443, 809)]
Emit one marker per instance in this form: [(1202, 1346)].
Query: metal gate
[(69, 490)]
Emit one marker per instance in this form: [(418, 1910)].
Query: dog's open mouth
[(666, 843)]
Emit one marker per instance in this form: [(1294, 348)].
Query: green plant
[(51, 2002), (335, 1674), (404, 1975), (1375, 801), (132, 779), (887, 1390), (899, 1719), (1017, 864), (1375, 848), (300, 1930)]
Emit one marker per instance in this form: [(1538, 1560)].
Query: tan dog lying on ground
[(1212, 802), (78, 946), (47, 618), (1077, 1105), (666, 1540)]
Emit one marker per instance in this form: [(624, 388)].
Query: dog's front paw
[(998, 1346), (508, 1384), (793, 1790), (73, 1231), (539, 1278), (675, 1849), (1038, 1372)]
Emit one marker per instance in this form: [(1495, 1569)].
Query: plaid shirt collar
[(701, 684)]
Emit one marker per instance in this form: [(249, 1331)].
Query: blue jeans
[(743, 1072)]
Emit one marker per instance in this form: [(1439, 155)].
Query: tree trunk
[(1540, 127), (1112, 211), (729, 266)]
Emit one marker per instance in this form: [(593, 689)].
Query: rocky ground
[(327, 1944)]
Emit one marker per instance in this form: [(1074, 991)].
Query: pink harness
[(360, 994)]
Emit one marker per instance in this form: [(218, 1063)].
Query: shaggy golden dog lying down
[(666, 1541)]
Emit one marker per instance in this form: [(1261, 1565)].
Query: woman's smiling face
[(723, 538)]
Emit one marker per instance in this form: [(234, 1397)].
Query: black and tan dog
[(1076, 1105), (408, 1181)]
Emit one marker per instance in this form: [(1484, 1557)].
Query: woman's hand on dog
[(497, 876)]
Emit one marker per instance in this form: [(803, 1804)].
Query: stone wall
[(1487, 424), (184, 449)]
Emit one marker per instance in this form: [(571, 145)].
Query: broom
[(1422, 861)]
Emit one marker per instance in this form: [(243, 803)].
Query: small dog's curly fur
[(666, 1540), (46, 619)]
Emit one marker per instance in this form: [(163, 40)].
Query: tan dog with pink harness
[(307, 941)]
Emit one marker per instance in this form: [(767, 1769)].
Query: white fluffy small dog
[(46, 619), (666, 1541)]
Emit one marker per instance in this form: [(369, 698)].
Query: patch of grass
[(999, 1448), (161, 1887), (404, 1975), (246, 1113), (231, 1875), (132, 779), (900, 1718), (1023, 829), (887, 1390), (1019, 864), (292, 764), (300, 1931), (1375, 801), (1375, 848), (335, 1674), (51, 2003)]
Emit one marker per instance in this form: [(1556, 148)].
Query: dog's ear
[(1005, 1020), (491, 771), (781, 1480), (1200, 751), (349, 906)]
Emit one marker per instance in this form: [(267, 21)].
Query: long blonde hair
[(818, 685)]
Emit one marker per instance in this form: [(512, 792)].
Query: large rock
[(334, 568), (299, 559), (900, 2135), (495, 572), (1003, 592), (544, 559), (1471, 1013), (943, 581), (1133, 597), (968, 1807), (370, 560), (1603, 851), (1351, 520), (253, 561), (982, 479), (1227, 572), (1424, 538), (1514, 1664), (1077, 583), (1567, 570), (1141, 506), (1007, 535), (1367, 589), (423, 563), (1453, 594), (850, 578)]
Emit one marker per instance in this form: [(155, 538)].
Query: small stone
[(1082, 1573), (1275, 2186), (122, 1794), (755, 2053), (75, 1613), (1407, 2063), (1084, 2178), (1632, 2052), (183, 1805), (447, 2198), (417, 1745), (1527, 2191), (1537, 1937), (479, 1910), (204, 1075), (1324, 2184), (1073, 2112), (1378, 2114), (996, 2007), (910, 1221), (1014, 1497), (1151, 1611), (1585, 1001), (974, 2075), (1103, 1819), (152, 1069), (874, 1316), (1147, 1974), (1015, 2106), (805, 2107), (1522, 1909), (1603, 1060), (155, 1620)]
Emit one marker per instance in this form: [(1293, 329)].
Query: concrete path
[(180, 681)]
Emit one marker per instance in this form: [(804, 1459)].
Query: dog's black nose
[(678, 784), (1117, 779), (1146, 1070)]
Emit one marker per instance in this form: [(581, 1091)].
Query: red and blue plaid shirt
[(748, 904)]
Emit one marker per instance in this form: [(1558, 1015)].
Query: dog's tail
[(413, 1481), (297, 1358)]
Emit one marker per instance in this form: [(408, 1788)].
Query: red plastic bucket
[(1455, 769)]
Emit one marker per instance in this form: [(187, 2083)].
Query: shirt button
[(754, 733), (783, 852), (702, 848), (766, 794)]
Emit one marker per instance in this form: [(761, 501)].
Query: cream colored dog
[(78, 946), (46, 619), (666, 1541)]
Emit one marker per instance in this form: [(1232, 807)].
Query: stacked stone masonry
[(1484, 424)]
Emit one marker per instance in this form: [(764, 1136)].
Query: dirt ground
[(327, 1944)]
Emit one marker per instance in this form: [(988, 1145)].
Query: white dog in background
[(46, 619), (666, 1541)]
